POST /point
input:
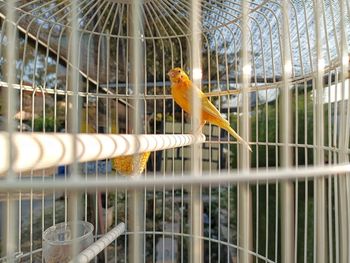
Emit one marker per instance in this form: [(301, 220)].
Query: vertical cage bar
[(196, 205), (10, 209), (136, 196), (74, 113), (344, 67), (320, 194), (285, 125), (245, 239)]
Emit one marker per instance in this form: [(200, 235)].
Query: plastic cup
[(58, 241)]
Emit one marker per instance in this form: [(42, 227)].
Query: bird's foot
[(198, 131)]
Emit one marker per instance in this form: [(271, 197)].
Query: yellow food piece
[(131, 164)]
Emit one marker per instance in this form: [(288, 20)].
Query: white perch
[(34, 151), (92, 251)]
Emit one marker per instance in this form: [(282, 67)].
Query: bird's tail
[(235, 135)]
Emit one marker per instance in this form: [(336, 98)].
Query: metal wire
[(277, 70)]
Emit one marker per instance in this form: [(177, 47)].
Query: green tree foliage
[(266, 197), (265, 132), (40, 123)]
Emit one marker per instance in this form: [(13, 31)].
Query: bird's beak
[(171, 73)]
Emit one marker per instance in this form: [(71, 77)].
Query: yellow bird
[(182, 89)]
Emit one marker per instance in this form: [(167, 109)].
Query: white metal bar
[(319, 185), (73, 83), (135, 200), (9, 218), (89, 253), (252, 176), (41, 150), (196, 204), (285, 125), (344, 67), (244, 192)]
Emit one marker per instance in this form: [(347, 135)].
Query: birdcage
[(90, 130)]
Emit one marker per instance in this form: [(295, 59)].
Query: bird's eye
[(179, 71)]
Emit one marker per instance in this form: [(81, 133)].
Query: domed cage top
[(89, 128)]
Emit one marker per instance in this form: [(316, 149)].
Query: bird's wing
[(209, 107)]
